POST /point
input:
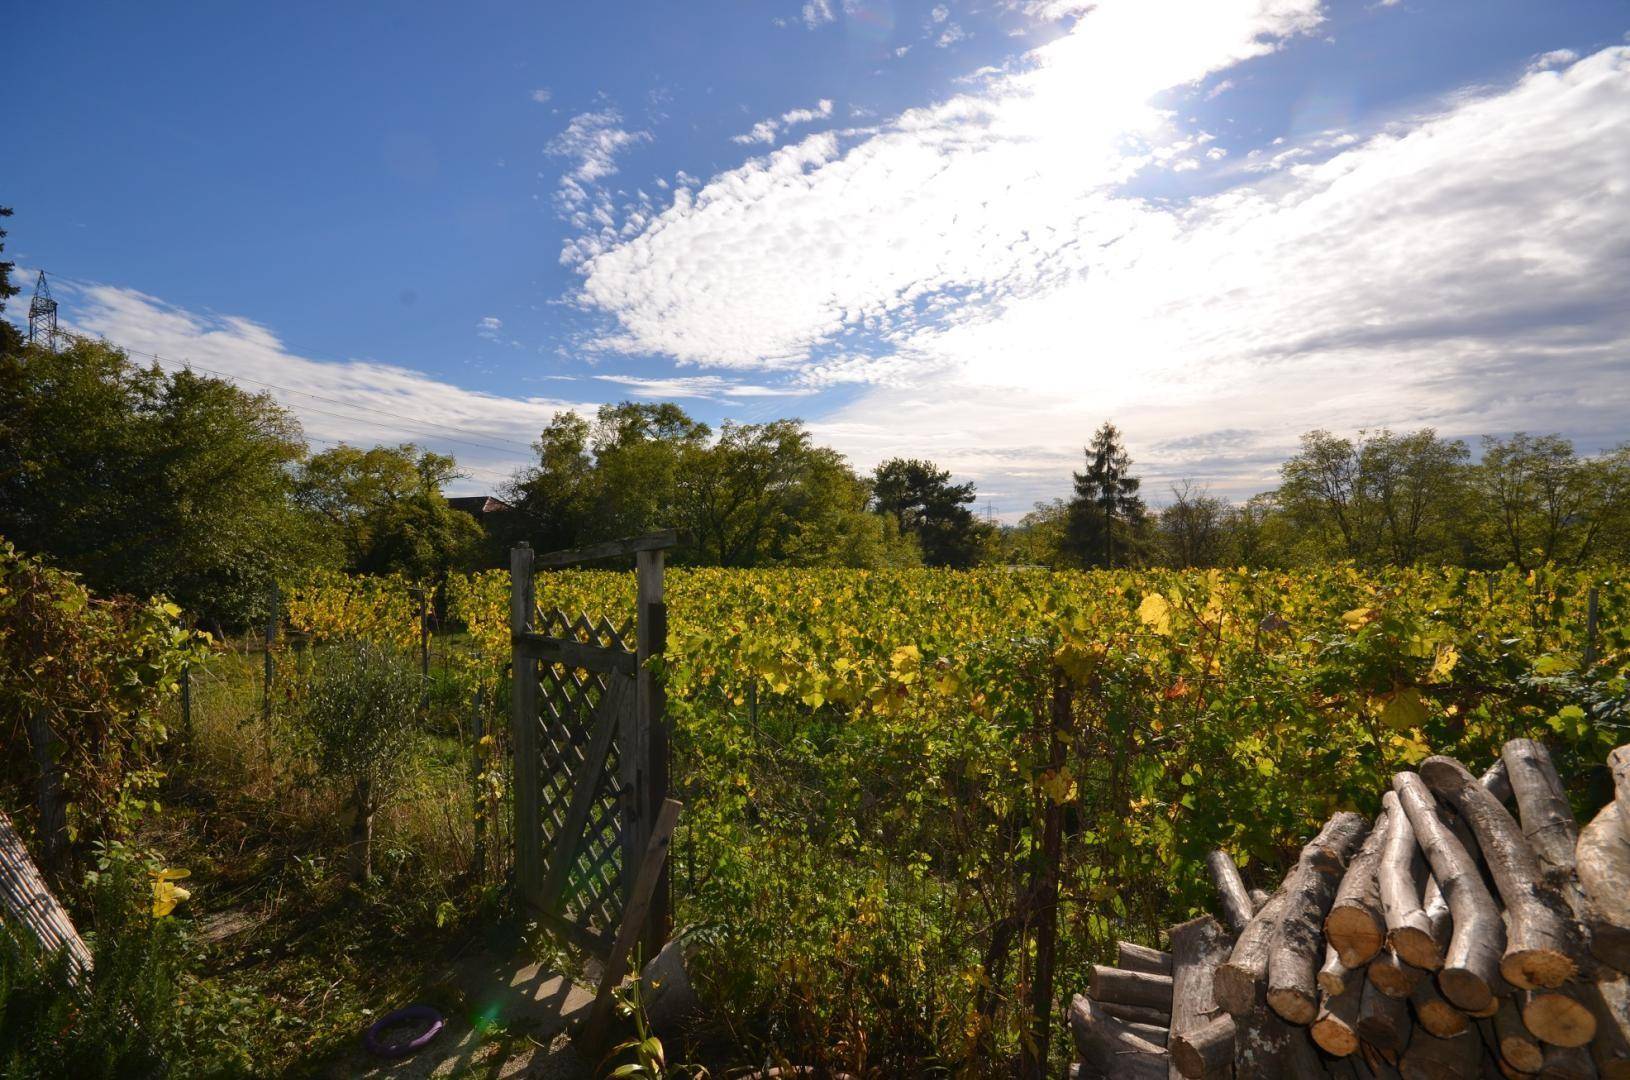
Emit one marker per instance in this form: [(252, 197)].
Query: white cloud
[(818, 13), (1220, 89), (766, 131), (541, 95), (1554, 58), (489, 327), (357, 401), (708, 387), (952, 34), (939, 13), (982, 267)]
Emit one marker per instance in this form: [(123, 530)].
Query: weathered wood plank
[(31, 903), (575, 654), (523, 716), (617, 699), (639, 905), (630, 545)]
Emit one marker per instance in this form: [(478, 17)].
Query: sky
[(971, 232)]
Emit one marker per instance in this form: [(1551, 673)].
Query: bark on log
[(1236, 903), (1435, 1014), (1336, 1027), (1471, 965), (1392, 976), (1610, 1001), (1618, 763), (1111, 984), (1517, 1044), (1198, 947), (1335, 975), (1293, 960), (1401, 874), (1383, 1020), (1205, 1051), (1542, 804), (1498, 780), (1150, 1033), (1106, 1045), (1381, 1063), (1136, 1014), (1557, 1017), (1267, 1048), (1543, 948), (1135, 957), (1258, 898), (1568, 1063), (1356, 927), (1242, 981), (1432, 1058), (1604, 881)]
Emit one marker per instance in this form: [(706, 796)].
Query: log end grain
[(1557, 1018), (1293, 1005), (1204, 1051), (1356, 933), (1537, 969)]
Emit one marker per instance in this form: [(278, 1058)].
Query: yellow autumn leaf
[(1156, 613), (167, 894), (1059, 785), (1447, 657), (1405, 710), (1358, 617)]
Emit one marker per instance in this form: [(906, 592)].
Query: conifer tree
[(1106, 516)]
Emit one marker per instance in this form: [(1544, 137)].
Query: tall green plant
[(360, 718)]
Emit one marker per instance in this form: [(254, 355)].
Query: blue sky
[(968, 231)]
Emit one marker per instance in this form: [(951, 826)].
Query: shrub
[(360, 719)]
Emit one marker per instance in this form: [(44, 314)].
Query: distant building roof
[(477, 505)]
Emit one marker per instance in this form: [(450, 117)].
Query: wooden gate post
[(523, 713), (652, 640)]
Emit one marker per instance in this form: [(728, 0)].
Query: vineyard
[(869, 759)]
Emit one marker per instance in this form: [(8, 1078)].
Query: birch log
[(1401, 874), (1198, 946), (1356, 927), (1604, 882), (1543, 948), (1293, 960), (1471, 966)]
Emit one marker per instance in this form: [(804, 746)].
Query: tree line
[(147, 481)]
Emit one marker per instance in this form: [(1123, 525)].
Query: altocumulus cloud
[(986, 267)]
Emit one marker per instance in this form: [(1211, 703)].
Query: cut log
[(1517, 1044), (1392, 976), (1383, 1020), (1335, 1029), (1258, 898), (1150, 1033), (1567, 1063), (1543, 948), (1242, 981), (1106, 1045), (1435, 1014), (1267, 1048), (1432, 1058), (1198, 947), (1236, 903), (1497, 780), (1134, 957), (1381, 1063), (1335, 975), (1293, 959), (1604, 881), (1542, 805), (1356, 927), (1136, 1014), (1471, 965), (1618, 763), (1557, 1017), (1120, 987), (1401, 874), (1609, 1001), (1205, 1051)]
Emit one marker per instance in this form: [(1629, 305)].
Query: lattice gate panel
[(590, 749)]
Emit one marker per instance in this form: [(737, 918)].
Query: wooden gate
[(591, 747)]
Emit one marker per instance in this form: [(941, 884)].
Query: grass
[(291, 960)]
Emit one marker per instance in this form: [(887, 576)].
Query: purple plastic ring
[(422, 1014)]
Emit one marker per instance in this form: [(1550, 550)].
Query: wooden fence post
[(478, 857), (523, 703), (652, 640), (273, 604)]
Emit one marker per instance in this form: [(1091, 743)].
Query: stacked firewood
[(1471, 930)]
